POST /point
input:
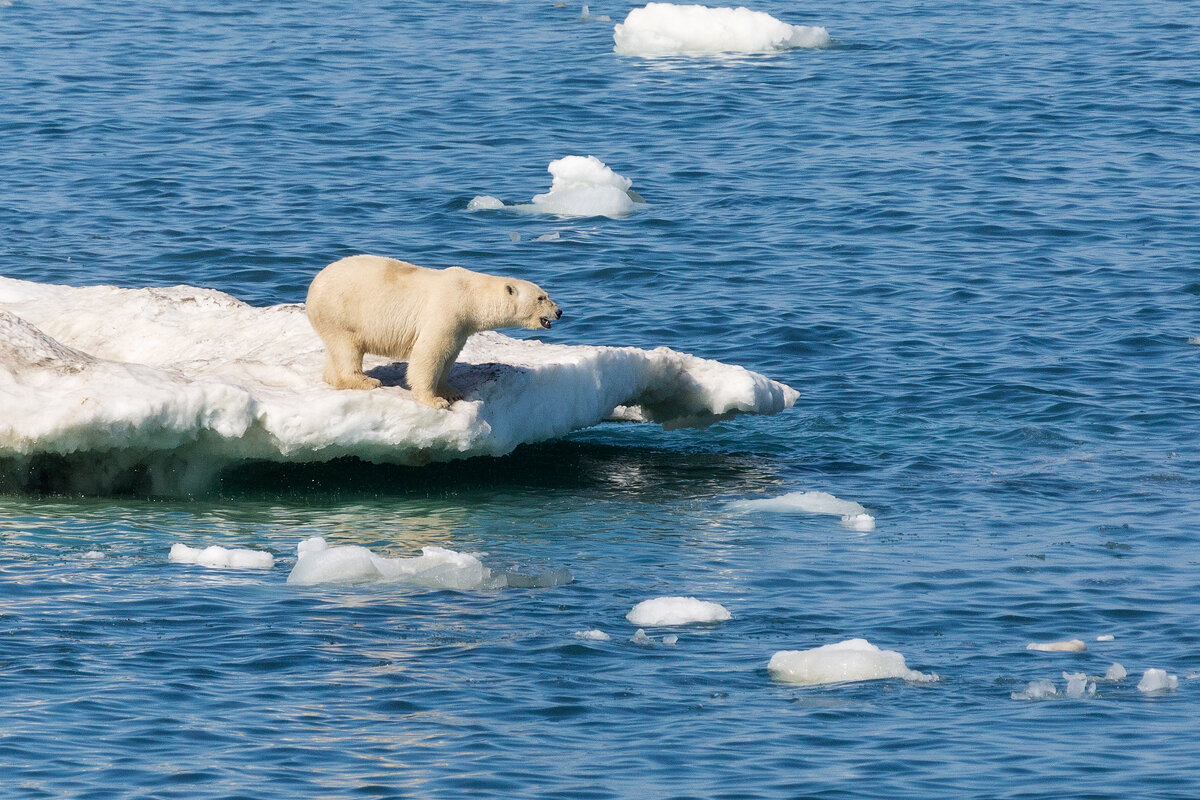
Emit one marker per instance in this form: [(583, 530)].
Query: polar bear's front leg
[(428, 365), (343, 366)]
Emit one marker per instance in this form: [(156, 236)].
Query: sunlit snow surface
[(180, 382), (669, 29)]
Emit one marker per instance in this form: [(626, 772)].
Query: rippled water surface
[(966, 232)]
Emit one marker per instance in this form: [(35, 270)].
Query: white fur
[(370, 304)]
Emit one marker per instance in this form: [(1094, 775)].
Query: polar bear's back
[(375, 301)]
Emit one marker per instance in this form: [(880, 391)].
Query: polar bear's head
[(529, 304)]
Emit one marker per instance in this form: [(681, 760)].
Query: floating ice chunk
[(169, 386), (669, 29), (1115, 673), (676, 611), (1078, 684), (94, 555), (670, 640), (1157, 680), (580, 186), (853, 515), (859, 522), (851, 660), (436, 567), (593, 635), (548, 237), (1105, 637), (1194, 340), (485, 202), (1069, 646), (1036, 690), (587, 14), (221, 557), (641, 637)]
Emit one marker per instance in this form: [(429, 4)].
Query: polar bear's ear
[(510, 288)]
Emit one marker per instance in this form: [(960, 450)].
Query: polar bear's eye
[(510, 288)]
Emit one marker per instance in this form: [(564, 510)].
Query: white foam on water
[(852, 514), (1067, 646), (580, 186), (1157, 680), (217, 557), (850, 660), (593, 635), (669, 29), (1036, 690), (172, 385), (676, 611)]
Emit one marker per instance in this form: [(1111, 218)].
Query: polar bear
[(370, 304)]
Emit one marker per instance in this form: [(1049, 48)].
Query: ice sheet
[(169, 386)]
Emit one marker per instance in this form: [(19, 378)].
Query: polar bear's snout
[(557, 314)]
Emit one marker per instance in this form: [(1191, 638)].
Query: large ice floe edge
[(178, 383), (660, 29)]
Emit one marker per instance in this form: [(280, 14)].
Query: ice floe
[(593, 635), (1068, 646), (671, 29), (852, 514), (1116, 672), (662, 611), (318, 562), (851, 660), (1036, 690), (580, 186), (103, 386), (219, 557), (1157, 680)]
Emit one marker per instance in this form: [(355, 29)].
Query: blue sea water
[(966, 232)]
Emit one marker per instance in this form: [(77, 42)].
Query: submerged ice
[(851, 660), (580, 186), (668, 29), (172, 385), (853, 515), (318, 562)]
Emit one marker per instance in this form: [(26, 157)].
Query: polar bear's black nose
[(558, 314)]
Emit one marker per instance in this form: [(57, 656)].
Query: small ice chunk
[(1077, 683), (1105, 637), (851, 660), (1116, 673), (859, 522), (485, 202), (593, 635), (669, 29), (1157, 680), (436, 567), (670, 640), (853, 515), (640, 637), (94, 555), (1068, 646), (1036, 690), (548, 237), (676, 611), (221, 557)]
